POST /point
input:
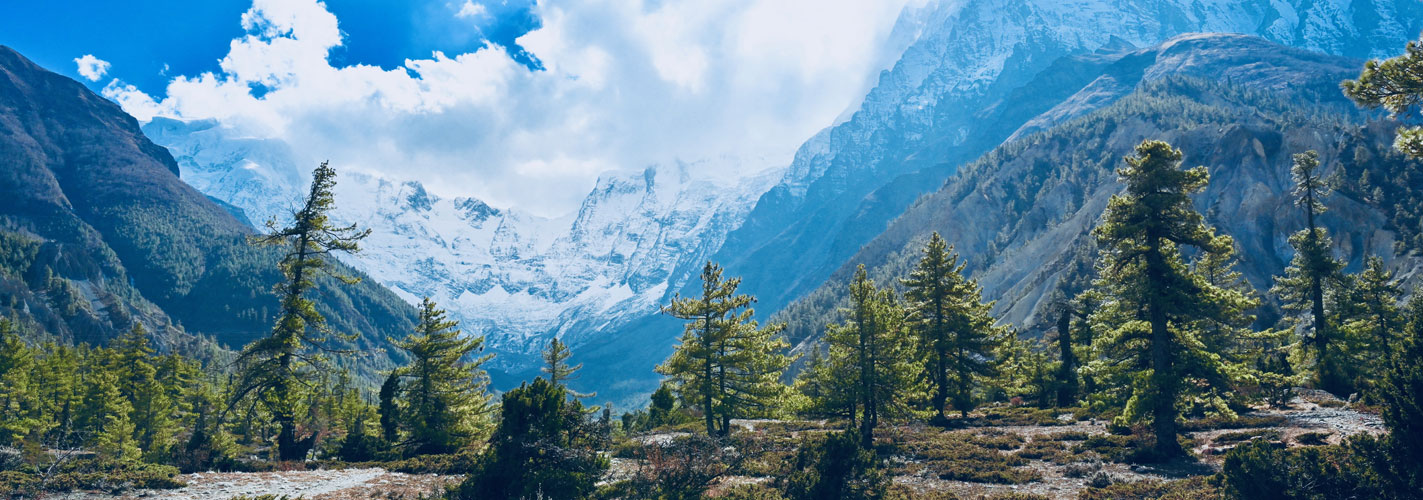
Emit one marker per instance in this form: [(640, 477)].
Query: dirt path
[(342, 484)]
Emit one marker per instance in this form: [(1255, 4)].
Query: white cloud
[(471, 10), (91, 68), (628, 83)]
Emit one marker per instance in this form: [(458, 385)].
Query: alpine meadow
[(685, 249)]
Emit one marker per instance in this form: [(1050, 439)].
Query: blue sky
[(150, 41), (517, 103)]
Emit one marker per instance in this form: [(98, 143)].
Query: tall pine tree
[(153, 408), (869, 366), (1154, 302), (446, 399), (276, 369), (1304, 284), (726, 363)]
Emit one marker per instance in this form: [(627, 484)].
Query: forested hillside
[(96, 229), (1022, 215)]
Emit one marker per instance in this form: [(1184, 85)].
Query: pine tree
[(869, 366), (937, 294), (1066, 376), (556, 366), (1379, 319), (726, 362), (104, 415), (1154, 302), (1226, 331), (1394, 84), (389, 408), (152, 415), (445, 398), (60, 392), (826, 389), (1313, 267), (275, 368), (544, 447), (19, 402), (1401, 391)]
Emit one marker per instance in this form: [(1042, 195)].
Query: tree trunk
[(1163, 409), (707, 411), (1067, 373), (941, 370)]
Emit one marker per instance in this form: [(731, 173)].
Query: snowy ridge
[(515, 277)]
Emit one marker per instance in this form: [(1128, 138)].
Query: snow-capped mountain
[(954, 95), (958, 90), (515, 277)]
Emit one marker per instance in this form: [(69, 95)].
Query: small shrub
[(966, 457), (1067, 436), (1239, 422), (998, 440), (1238, 436), (758, 491), (1200, 487), (1265, 470), (1101, 480), (1040, 450), (836, 467), (1017, 415), (1313, 438), (1082, 469), (1017, 496), (463, 462)]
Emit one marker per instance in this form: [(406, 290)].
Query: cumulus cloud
[(627, 83), (471, 9), (91, 68)]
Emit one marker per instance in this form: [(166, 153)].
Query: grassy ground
[(1008, 453)]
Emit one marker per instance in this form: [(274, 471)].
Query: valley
[(1091, 250)]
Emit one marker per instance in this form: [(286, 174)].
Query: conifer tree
[(952, 324), (544, 447), (104, 416), (275, 369), (556, 366), (1154, 302), (1304, 284), (446, 403), (1066, 376), (19, 403), (726, 363), (1225, 331), (60, 394), (1379, 319), (1394, 84), (390, 408), (930, 294), (869, 363), (824, 383), (1401, 391), (152, 415)]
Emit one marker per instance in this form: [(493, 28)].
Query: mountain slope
[(1022, 215), (516, 278), (90, 201), (959, 91)]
